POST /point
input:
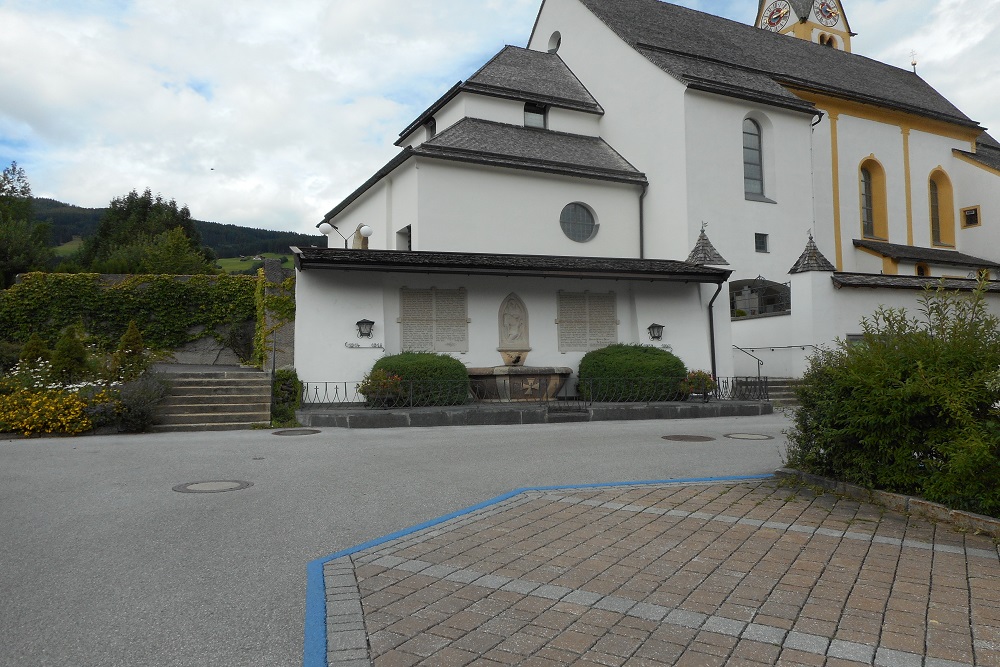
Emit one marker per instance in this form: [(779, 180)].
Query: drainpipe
[(642, 230), (711, 329)]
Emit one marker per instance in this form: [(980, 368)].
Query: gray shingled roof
[(705, 253), (811, 259), (736, 50), (930, 255), (987, 152), (501, 145), (521, 74), (465, 263), (908, 282)]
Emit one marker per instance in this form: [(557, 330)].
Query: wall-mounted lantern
[(655, 331), (365, 328)]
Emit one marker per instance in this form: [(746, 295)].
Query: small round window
[(578, 223)]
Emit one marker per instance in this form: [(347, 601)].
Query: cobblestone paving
[(643, 576)]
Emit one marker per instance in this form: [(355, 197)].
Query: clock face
[(775, 16), (827, 12)]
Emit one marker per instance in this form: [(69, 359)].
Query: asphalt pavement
[(102, 563)]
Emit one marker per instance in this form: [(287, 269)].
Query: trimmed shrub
[(911, 407), (137, 402), (129, 360), (625, 372), (35, 349), (69, 358), (418, 378), (286, 398)]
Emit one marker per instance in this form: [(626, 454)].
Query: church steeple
[(819, 21)]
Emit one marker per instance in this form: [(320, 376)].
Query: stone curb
[(978, 523), (523, 414)]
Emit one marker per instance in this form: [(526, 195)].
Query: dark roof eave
[(431, 110), (473, 266), (493, 160), (512, 94), (879, 281), (744, 94), (387, 169), (811, 87), (932, 255)]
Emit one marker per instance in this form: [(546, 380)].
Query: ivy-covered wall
[(169, 310)]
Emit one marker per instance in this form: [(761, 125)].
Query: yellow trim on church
[(975, 163)]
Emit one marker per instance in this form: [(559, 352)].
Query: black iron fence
[(419, 393)]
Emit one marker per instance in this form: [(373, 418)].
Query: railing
[(760, 362), (577, 394)]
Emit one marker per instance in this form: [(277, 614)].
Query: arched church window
[(942, 209), (753, 159), (874, 214)]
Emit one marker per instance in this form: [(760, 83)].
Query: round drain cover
[(297, 431), (749, 436), (212, 486), (688, 438)]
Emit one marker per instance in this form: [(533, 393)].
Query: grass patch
[(236, 264), (68, 248)]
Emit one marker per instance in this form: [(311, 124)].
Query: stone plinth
[(518, 383)]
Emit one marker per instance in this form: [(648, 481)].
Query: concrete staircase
[(214, 400), (781, 392)]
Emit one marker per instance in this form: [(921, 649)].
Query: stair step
[(213, 418), (236, 390), (189, 428), (214, 399), (217, 409)]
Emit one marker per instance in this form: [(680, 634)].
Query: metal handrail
[(760, 362)]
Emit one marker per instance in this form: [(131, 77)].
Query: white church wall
[(644, 115), (976, 186), (331, 302), (574, 122), (929, 152), (472, 208), (716, 188)]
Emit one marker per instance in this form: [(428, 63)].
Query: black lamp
[(655, 331), (365, 328)]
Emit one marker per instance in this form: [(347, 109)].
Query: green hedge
[(910, 408), (416, 379), (165, 308), (625, 372)]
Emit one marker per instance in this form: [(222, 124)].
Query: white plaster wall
[(716, 189), (927, 153), (975, 186), (644, 119), (330, 302), (469, 208), (387, 207), (574, 122)]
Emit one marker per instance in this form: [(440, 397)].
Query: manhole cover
[(688, 438), (749, 436), (212, 486), (297, 431)]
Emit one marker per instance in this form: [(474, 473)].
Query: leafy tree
[(24, 246), (135, 219)]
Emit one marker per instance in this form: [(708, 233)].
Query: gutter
[(711, 329), (642, 223)]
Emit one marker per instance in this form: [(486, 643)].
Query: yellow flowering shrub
[(45, 411)]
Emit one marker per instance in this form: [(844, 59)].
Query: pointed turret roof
[(705, 253), (811, 259)]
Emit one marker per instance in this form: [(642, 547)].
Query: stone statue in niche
[(513, 325)]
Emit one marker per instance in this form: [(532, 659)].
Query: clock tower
[(820, 21)]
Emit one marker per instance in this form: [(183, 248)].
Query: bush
[(138, 400), (69, 358), (10, 354), (625, 372), (424, 378), (47, 411), (910, 408), (129, 360), (286, 398), (35, 349)]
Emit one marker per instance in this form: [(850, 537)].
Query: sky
[(267, 114)]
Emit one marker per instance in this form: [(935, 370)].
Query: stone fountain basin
[(518, 383)]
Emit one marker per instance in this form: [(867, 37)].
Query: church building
[(595, 177)]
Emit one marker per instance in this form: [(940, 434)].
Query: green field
[(67, 249), (235, 264)]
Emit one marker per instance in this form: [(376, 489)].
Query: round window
[(578, 223)]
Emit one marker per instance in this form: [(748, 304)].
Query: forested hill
[(68, 221)]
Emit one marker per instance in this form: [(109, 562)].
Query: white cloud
[(267, 114)]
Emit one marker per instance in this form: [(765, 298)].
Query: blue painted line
[(314, 647)]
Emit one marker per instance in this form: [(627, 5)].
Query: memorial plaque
[(433, 320), (586, 321)]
